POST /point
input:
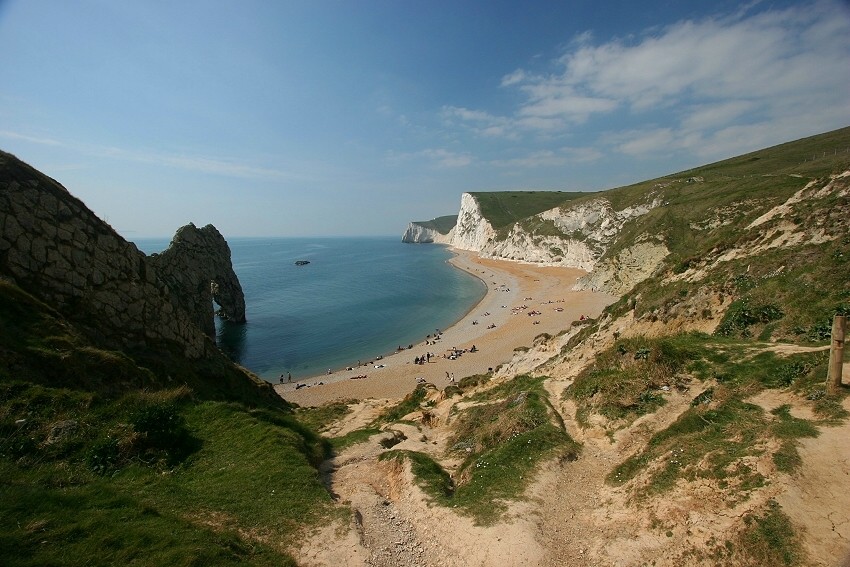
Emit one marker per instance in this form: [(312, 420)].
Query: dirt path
[(819, 495), (394, 525)]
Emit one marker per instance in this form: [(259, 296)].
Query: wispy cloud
[(189, 162), (708, 86), (551, 158), (27, 138), (446, 158), (440, 157)]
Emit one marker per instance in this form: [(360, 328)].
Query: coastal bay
[(523, 301)]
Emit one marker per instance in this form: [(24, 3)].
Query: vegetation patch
[(320, 417), (409, 404), (704, 442), (743, 314), (769, 538), (627, 380), (502, 440), (152, 478)]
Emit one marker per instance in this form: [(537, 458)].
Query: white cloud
[(27, 138), (198, 163), (445, 158), (480, 122), (439, 156), (551, 158), (761, 74), (517, 76), (716, 71), (645, 142)]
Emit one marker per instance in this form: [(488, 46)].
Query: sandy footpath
[(513, 291)]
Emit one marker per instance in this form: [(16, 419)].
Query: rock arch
[(196, 267)]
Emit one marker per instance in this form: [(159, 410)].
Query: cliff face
[(417, 233), (573, 235), (473, 231), (57, 249)]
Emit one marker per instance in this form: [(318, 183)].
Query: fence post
[(836, 354)]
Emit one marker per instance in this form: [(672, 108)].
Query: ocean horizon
[(358, 298)]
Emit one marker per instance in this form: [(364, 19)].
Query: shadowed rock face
[(57, 249), (197, 268)]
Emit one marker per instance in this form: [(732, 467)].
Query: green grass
[(701, 443), (504, 208), (769, 538), (237, 487), (409, 404), (625, 381), (710, 440), (712, 437), (320, 417), (143, 457)]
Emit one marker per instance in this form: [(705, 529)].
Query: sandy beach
[(522, 302)]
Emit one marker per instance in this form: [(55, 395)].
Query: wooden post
[(836, 354)]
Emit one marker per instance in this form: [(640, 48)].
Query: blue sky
[(352, 118)]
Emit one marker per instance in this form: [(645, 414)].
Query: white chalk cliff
[(419, 234), (572, 235)]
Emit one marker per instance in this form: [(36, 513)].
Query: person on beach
[(288, 376)]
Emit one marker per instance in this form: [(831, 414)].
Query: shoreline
[(521, 302), (452, 260)]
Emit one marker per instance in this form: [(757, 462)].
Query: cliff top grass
[(441, 224), (502, 208)]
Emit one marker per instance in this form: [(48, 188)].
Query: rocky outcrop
[(196, 267), (57, 249), (620, 273)]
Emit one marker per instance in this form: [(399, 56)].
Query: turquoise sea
[(357, 298)]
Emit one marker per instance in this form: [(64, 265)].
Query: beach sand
[(513, 290)]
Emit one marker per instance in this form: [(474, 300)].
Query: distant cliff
[(57, 249), (577, 233), (437, 230)]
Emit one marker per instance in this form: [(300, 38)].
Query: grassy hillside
[(503, 208), (782, 290), (441, 224), (145, 459)]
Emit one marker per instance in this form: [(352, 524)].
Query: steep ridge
[(54, 246)]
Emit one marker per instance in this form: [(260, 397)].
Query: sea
[(358, 298)]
